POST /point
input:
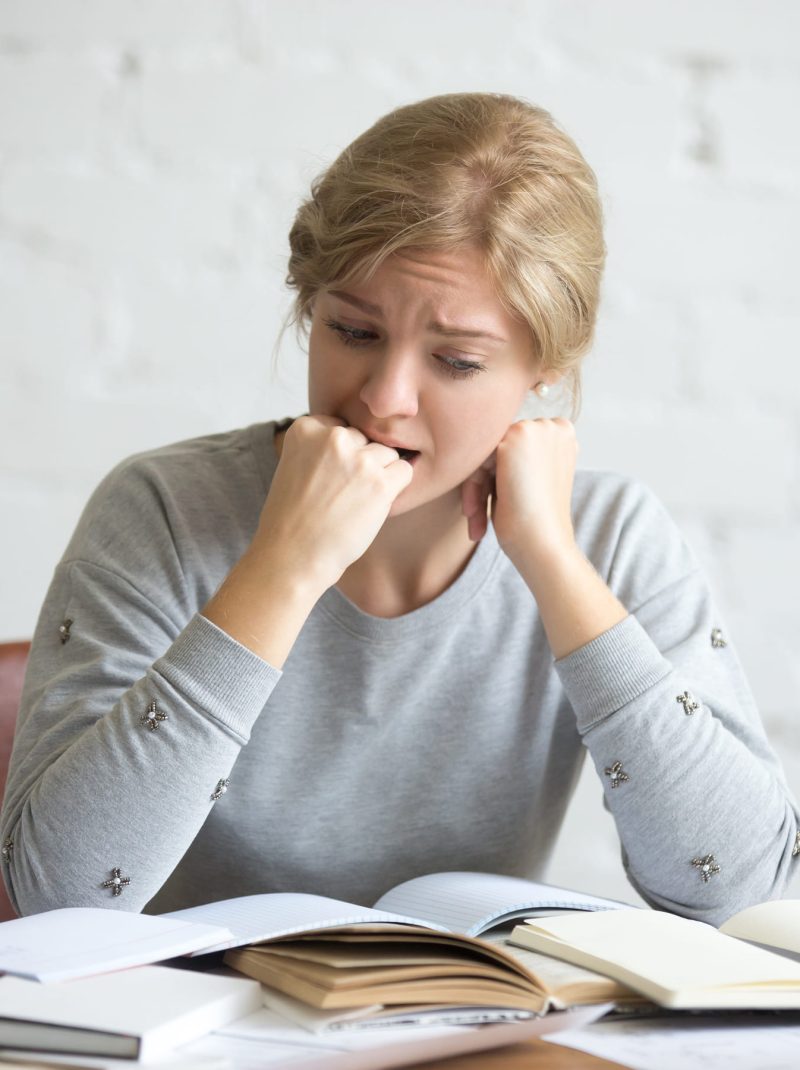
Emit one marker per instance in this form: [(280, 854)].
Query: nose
[(390, 388)]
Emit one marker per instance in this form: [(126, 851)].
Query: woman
[(318, 615)]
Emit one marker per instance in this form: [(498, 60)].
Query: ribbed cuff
[(611, 671), (217, 674)]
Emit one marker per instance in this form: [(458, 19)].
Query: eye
[(450, 366), (459, 369), (351, 336)]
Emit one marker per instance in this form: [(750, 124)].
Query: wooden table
[(532, 1055)]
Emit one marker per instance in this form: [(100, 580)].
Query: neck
[(412, 560)]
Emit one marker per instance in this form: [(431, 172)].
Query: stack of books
[(451, 948), (141, 1013)]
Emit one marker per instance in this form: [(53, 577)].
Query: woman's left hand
[(529, 478)]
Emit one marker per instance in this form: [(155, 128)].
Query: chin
[(402, 504)]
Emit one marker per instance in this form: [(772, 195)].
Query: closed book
[(137, 1014), (678, 963)]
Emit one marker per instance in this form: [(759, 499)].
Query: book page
[(360, 1021), (775, 924), (471, 903), (251, 918), (59, 945), (664, 956), (555, 974)]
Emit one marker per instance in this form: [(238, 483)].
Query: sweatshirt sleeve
[(705, 818), (134, 710)]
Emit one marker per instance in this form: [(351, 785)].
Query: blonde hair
[(484, 169)]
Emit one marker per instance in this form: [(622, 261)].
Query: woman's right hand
[(330, 495)]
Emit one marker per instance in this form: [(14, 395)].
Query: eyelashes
[(356, 336)]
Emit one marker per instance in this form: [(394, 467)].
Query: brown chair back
[(13, 658)]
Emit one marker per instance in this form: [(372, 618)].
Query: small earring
[(542, 390)]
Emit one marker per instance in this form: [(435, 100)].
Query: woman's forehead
[(445, 279)]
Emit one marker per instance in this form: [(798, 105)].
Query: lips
[(406, 452)]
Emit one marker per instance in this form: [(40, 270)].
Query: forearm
[(89, 792), (683, 782), (660, 702), (575, 604), (263, 604)]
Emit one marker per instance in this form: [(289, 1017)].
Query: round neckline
[(337, 606), (434, 614)]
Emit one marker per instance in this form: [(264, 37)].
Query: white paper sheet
[(399, 1046), (740, 1042), (273, 1027), (59, 945)]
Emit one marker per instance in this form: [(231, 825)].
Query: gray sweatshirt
[(159, 764)]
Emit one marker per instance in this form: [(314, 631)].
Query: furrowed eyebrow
[(436, 327)]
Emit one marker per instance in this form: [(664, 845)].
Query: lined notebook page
[(265, 917), (471, 903)]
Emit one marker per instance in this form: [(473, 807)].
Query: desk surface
[(532, 1055)]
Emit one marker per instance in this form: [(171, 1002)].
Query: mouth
[(406, 454)]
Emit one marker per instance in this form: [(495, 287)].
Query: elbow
[(26, 895), (741, 880)]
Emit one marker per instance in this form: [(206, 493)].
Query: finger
[(479, 476), (475, 489), (385, 454), (490, 464), (470, 496), (324, 421), (399, 475), (478, 522), (476, 527)]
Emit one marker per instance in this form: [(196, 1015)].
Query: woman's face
[(391, 371)]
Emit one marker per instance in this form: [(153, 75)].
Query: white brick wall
[(151, 158)]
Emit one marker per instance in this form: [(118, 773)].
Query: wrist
[(283, 570), (574, 602), (280, 563), (542, 561), (263, 604)]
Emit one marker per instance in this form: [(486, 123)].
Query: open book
[(679, 963), (404, 975), (73, 942), (467, 903), (417, 947)]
